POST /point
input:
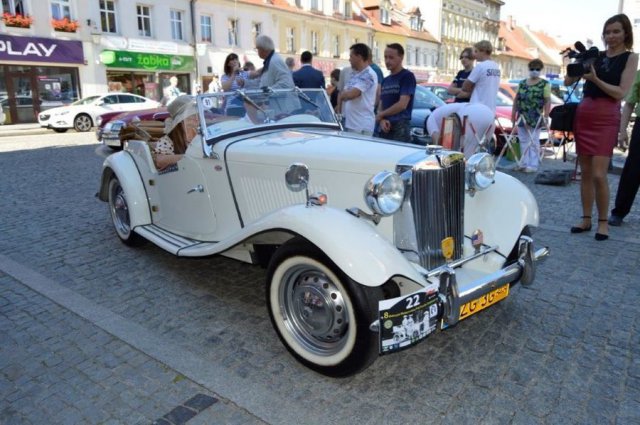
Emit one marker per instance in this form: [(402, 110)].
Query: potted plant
[(65, 25), (17, 20)]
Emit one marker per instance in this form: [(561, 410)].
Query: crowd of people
[(374, 105)]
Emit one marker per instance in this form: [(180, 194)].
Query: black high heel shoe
[(601, 236), (578, 229)]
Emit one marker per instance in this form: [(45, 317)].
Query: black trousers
[(630, 178)]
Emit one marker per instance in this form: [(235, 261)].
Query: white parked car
[(358, 234), (81, 115)]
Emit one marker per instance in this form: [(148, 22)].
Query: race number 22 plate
[(405, 321), (472, 307)]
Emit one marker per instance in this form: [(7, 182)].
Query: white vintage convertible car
[(360, 236)]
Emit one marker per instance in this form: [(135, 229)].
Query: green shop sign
[(147, 61)]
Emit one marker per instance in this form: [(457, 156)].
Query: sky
[(566, 20)]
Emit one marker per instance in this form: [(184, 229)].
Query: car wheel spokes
[(314, 310)]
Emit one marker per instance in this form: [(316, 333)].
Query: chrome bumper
[(523, 271), (451, 298)]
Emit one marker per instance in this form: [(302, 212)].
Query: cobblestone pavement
[(95, 332)]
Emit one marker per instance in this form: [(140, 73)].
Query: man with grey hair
[(275, 73), (291, 63)]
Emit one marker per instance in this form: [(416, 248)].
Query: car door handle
[(198, 188)]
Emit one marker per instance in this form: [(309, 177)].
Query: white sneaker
[(530, 170)]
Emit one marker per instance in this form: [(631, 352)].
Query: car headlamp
[(384, 193), (480, 171)]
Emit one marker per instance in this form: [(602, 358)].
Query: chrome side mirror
[(297, 177)]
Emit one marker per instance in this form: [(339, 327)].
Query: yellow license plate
[(472, 307)]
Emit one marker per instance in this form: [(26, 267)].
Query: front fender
[(501, 212), (353, 244), (124, 168)]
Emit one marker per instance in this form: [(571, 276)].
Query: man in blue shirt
[(307, 77), (396, 97)]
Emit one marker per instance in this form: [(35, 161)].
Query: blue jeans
[(400, 131)]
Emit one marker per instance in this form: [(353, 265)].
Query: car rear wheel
[(60, 130), (119, 209), (320, 314), (82, 123)]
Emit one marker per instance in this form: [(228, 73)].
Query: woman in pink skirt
[(598, 119)]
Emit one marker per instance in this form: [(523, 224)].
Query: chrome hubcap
[(314, 309), (120, 212)]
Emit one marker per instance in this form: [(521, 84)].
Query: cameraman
[(597, 119)]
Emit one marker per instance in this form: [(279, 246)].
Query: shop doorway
[(21, 105)]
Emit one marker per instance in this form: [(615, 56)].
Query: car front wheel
[(82, 123), (320, 314), (119, 209)]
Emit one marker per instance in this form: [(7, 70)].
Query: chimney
[(511, 23)]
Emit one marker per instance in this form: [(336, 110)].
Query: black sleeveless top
[(608, 70)]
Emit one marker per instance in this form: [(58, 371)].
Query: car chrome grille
[(433, 210)]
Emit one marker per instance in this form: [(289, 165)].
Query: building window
[(336, 46), (144, 20), (176, 25), (314, 42), (108, 16), (256, 30), (13, 7), (298, 3), (60, 9), (417, 52), (415, 23), (205, 28), (290, 40), (408, 55), (233, 32), (384, 16), (314, 4), (336, 6), (347, 9)]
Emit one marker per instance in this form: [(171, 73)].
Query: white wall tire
[(120, 215), (320, 315)]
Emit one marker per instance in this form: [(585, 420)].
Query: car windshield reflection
[(253, 110)]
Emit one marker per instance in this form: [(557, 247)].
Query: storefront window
[(27, 90), (143, 84)]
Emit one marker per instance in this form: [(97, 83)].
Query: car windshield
[(230, 112), (86, 100), (426, 99)]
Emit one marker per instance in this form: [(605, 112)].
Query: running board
[(170, 241)]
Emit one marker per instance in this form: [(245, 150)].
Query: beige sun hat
[(181, 108)]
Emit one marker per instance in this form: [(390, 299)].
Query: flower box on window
[(65, 25), (17, 20)]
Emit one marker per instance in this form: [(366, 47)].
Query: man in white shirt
[(484, 81), (357, 100)]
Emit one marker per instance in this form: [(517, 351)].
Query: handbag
[(562, 116)]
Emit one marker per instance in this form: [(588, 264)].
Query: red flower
[(17, 20), (65, 24)]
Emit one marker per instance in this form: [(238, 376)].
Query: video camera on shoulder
[(582, 59)]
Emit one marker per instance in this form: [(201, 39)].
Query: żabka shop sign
[(40, 49), (146, 61)]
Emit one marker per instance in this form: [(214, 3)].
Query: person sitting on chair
[(180, 129)]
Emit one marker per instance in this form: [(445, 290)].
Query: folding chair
[(482, 140), (530, 146), (508, 137)]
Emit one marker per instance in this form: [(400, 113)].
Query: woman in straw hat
[(179, 129)]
